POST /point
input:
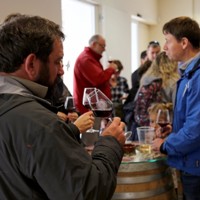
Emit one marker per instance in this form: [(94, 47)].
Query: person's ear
[(184, 42), (31, 64)]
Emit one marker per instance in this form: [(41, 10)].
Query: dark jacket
[(40, 156)]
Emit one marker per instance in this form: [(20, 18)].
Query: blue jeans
[(191, 186)]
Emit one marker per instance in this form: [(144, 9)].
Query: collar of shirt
[(93, 53), (183, 65)]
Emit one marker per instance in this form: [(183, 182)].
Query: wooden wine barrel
[(145, 181)]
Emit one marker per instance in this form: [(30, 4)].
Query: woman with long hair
[(158, 84)]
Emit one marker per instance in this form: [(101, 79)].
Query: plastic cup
[(145, 137)]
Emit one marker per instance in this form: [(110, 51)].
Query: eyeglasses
[(101, 45), (153, 43)]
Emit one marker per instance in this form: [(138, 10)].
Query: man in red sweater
[(89, 72)]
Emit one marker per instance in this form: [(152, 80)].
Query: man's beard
[(43, 77), (56, 92)]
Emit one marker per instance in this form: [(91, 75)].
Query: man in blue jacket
[(182, 146)]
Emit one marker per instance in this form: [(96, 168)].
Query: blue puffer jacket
[(183, 144)]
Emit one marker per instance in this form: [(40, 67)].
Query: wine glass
[(86, 92), (100, 104), (163, 118), (85, 103), (102, 107), (69, 104)]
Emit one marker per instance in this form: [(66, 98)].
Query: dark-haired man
[(40, 155)]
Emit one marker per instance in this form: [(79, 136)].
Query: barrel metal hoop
[(140, 179), (144, 194)]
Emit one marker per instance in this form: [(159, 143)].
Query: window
[(78, 21), (134, 45)]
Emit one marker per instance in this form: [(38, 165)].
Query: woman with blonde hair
[(166, 70), (158, 84)]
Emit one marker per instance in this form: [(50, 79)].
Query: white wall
[(45, 8), (116, 28), (196, 10), (146, 8), (117, 31), (174, 8)]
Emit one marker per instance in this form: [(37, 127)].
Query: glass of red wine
[(86, 104), (102, 107), (86, 92), (69, 104), (100, 104), (163, 119)]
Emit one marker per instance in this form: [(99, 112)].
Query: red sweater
[(88, 72)]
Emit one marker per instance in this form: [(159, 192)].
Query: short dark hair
[(12, 16), (25, 35), (153, 43), (118, 63), (184, 27)]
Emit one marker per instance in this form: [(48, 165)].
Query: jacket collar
[(93, 53), (15, 85), (183, 67)]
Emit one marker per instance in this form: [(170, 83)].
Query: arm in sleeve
[(64, 170), (95, 74), (185, 137)]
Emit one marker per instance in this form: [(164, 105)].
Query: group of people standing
[(41, 155), (170, 77)]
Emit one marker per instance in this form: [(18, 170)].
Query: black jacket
[(40, 156)]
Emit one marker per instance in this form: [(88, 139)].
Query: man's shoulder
[(135, 72), (83, 57)]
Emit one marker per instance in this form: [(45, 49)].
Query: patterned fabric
[(121, 88), (147, 95)]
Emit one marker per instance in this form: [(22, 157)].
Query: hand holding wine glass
[(102, 107), (163, 120), (100, 104), (85, 103)]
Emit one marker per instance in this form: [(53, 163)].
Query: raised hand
[(116, 129)]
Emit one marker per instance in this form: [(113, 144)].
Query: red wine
[(87, 106), (163, 124), (102, 113)]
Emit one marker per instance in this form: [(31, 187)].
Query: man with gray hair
[(89, 72)]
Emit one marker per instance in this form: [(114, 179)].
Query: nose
[(164, 47), (61, 70)]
